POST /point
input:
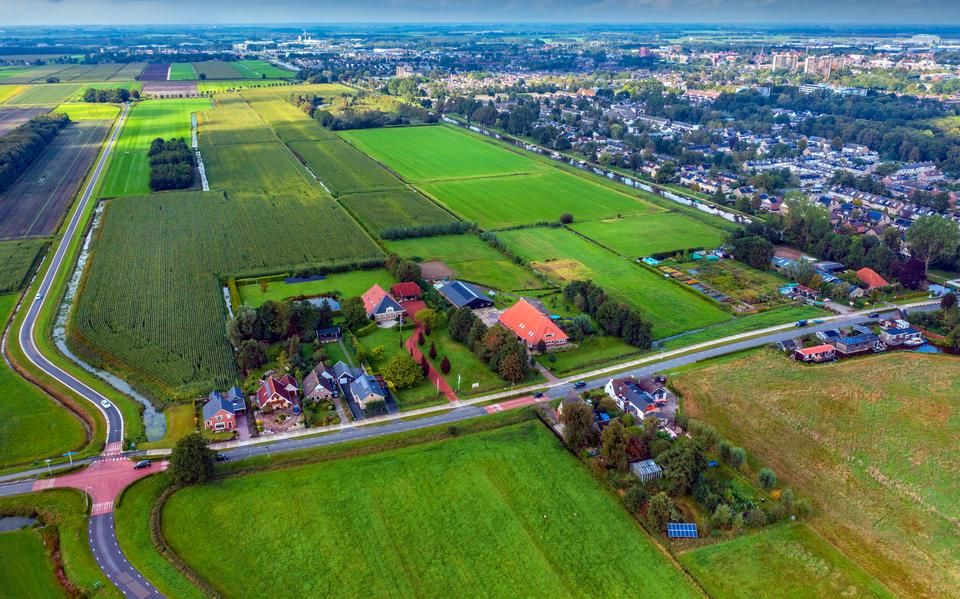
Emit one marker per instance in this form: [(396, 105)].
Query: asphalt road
[(103, 541)]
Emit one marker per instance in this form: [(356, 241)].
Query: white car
[(106, 403)]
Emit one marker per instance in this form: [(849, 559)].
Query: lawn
[(68, 510), (786, 561), (463, 364), (347, 284), (471, 258), (592, 352), (498, 202), (89, 112), (180, 71), (181, 421), (565, 256), (640, 236), (45, 94), (397, 208), (424, 393), (872, 442), (26, 570), (505, 513), (17, 258), (32, 426), (128, 171), (430, 153)]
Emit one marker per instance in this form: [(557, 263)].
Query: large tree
[(932, 238), (613, 446), (402, 371), (354, 312), (191, 461), (578, 431)]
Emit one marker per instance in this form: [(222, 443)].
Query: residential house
[(381, 306), (817, 353), (344, 375), (367, 389), (871, 279), (408, 291), (854, 344), (321, 383), (277, 393), (221, 409), (900, 333), (532, 326), (638, 397), (465, 295)]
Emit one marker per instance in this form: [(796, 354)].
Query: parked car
[(874, 315), (106, 403), (579, 385), (538, 394), (142, 464), (800, 323), (220, 457)]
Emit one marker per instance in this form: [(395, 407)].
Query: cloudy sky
[(56, 12)]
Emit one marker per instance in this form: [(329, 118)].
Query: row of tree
[(171, 164), (615, 318), (109, 95), (22, 146)]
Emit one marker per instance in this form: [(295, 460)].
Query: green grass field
[(422, 394), (505, 513), (67, 509), (565, 256), (745, 324), (348, 284), (216, 69), (26, 570), (128, 171), (47, 94), (341, 167), (464, 365), (182, 71), (32, 425), (17, 258), (640, 236), (787, 561), (89, 112), (220, 86), (592, 352), (381, 210), (872, 443), (471, 258), (257, 69)]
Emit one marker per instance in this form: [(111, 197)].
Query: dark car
[(142, 464), (538, 394), (874, 315), (579, 385), (221, 457)]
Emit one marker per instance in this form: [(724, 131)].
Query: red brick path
[(432, 374)]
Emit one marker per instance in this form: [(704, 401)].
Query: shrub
[(566, 218), (767, 478), (445, 365), (634, 498)]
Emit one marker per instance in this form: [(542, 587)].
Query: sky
[(118, 12)]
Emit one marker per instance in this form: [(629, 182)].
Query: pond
[(9, 523)]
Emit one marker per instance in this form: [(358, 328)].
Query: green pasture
[(89, 112), (380, 210), (347, 284), (258, 69), (26, 570), (640, 236)]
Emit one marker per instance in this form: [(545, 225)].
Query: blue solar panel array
[(682, 530)]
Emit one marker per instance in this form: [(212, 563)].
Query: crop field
[(636, 237), (26, 570), (232, 121), (79, 73), (787, 561), (871, 441), (180, 71), (37, 201), (257, 69), (128, 72), (380, 210), (28, 74), (89, 112), (267, 170), (128, 172), (343, 168), (45, 94), (216, 69), (471, 258), (760, 288), (523, 507), (347, 284), (155, 71), (9, 91), (669, 308), (12, 117), (219, 86), (289, 122), (16, 260), (169, 328), (32, 426)]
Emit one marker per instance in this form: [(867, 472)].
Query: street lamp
[(49, 471)]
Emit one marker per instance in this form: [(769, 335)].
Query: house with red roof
[(405, 292), (381, 306), (817, 353), (871, 279), (277, 393), (532, 326)]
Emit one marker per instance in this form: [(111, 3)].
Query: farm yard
[(128, 171), (564, 256), (787, 561), (639, 236), (871, 441), (471, 259), (497, 542), (36, 202)]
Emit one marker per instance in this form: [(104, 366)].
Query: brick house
[(381, 306), (277, 393), (532, 326), (221, 409)]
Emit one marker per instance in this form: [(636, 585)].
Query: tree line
[(615, 318), (21, 147), (496, 346), (109, 95), (292, 321), (171, 164)]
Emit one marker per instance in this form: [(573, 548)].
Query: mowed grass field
[(641, 236), (341, 167), (565, 256), (89, 112), (257, 69), (787, 561), (32, 425), (26, 570), (16, 259), (505, 513), (489, 184), (382, 210), (471, 259), (128, 169), (872, 443), (182, 71)]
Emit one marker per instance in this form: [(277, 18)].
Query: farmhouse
[(531, 326), (465, 295), (381, 306), (277, 394), (367, 389), (637, 397), (871, 279), (321, 383), (817, 353), (404, 292), (221, 409)]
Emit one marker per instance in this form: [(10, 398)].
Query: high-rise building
[(785, 62), (823, 66)]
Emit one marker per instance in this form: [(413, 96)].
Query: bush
[(566, 218), (767, 478), (634, 498)]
